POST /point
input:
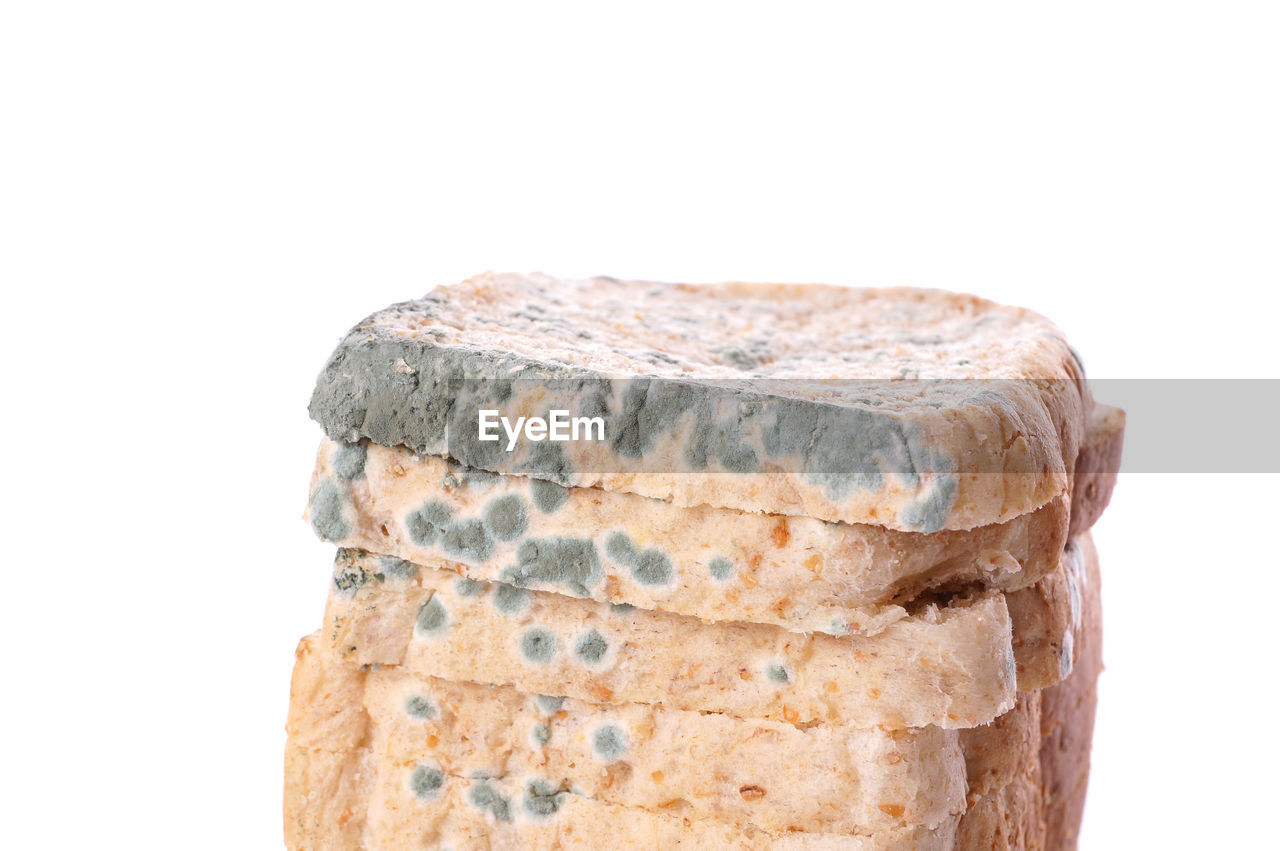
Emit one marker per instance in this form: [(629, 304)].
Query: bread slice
[(911, 409), (716, 564), (949, 664), (770, 775)]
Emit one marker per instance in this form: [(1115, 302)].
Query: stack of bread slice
[(823, 579)]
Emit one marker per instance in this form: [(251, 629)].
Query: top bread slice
[(918, 410)]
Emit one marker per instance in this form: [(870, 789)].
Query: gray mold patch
[(648, 567), (425, 782), (930, 512), (831, 455), (651, 567), (432, 618), (468, 587), (547, 496), (823, 437), (348, 461), (328, 511), (483, 796), (722, 440), (720, 568), (777, 673), (541, 733), (538, 645), (620, 548), (428, 523), (420, 707), (348, 580), (509, 599), (397, 568), (609, 742), (572, 563), (649, 410), (545, 461), (350, 574), (591, 647), (542, 798), (847, 449), (548, 704), (506, 517), (467, 540)]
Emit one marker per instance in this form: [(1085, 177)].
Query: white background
[(197, 199)]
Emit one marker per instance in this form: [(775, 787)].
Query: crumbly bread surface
[(716, 564), (734, 395)]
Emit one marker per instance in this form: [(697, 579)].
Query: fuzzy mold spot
[(418, 706), (538, 645), (591, 647), (425, 781), (609, 742), (547, 496), (348, 461), (506, 517), (328, 511), (432, 618), (720, 568), (428, 523)]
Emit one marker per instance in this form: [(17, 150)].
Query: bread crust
[(1067, 718)]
